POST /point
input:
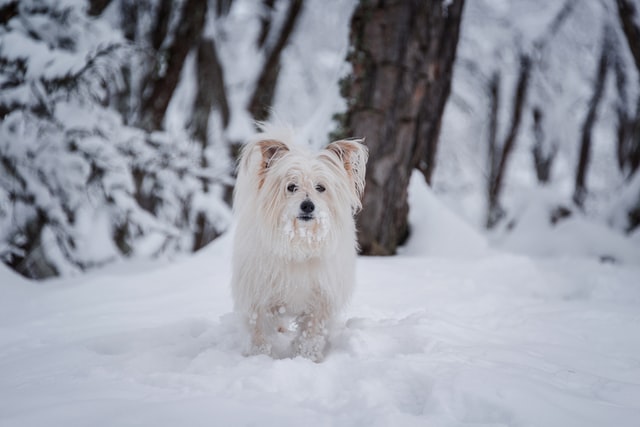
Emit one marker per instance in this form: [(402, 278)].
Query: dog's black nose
[(307, 206)]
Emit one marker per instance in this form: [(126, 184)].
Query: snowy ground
[(450, 333)]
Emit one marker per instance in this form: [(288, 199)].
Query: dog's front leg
[(256, 323), (313, 331)]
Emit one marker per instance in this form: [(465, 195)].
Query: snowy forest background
[(121, 119)]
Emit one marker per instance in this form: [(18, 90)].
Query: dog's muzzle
[(306, 210)]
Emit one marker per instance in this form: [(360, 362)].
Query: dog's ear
[(271, 151), (353, 154)]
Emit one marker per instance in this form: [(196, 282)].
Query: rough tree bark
[(402, 54)]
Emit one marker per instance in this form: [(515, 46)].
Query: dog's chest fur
[(295, 284)]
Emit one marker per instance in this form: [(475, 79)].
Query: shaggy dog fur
[(295, 243)]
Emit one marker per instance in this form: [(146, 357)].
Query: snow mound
[(436, 230), (576, 236)]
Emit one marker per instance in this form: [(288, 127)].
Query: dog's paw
[(257, 349), (310, 347)]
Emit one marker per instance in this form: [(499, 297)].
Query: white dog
[(295, 243)]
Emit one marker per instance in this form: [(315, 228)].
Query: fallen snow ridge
[(485, 338)]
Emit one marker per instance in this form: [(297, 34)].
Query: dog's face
[(303, 200), (306, 211)]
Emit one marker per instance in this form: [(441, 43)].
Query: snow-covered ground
[(451, 332)]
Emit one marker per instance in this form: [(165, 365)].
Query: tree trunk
[(160, 85), (544, 152), (96, 7), (580, 191), (402, 54), (499, 156), (161, 25), (211, 98), (441, 56), (265, 21), (493, 149), (629, 121), (211, 93), (628, 18), (262, 97)]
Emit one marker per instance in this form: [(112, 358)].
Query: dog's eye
[(292, 188), (320, 188)]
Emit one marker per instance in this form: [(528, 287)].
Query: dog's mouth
[(305, 217)]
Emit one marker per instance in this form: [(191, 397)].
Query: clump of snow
[(314, 231)]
